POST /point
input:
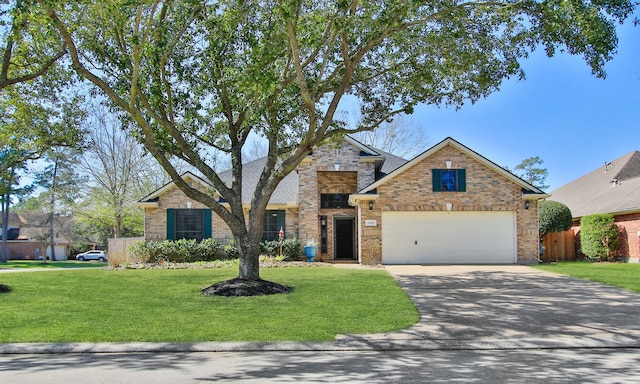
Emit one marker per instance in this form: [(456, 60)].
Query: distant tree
[(31, 124), (553, 216), (598, 236), (9, 188), (61, 184), (119, 173), (399, 136), (528, 171)]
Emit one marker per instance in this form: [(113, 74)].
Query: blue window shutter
[(436, 179), (207, 224), (462, 180), (171, 224)]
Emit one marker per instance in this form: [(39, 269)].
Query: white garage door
[(449, 238)]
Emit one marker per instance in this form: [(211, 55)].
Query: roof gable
[(528, 188), (187, 176)]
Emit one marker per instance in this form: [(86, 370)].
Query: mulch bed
[(242, 287)]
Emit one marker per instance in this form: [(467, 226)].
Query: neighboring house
[(448, 205), (13, 227), (34, 237), (613, 188)]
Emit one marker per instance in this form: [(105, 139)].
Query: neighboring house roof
[(287, 191), (37, 226), (15, 220), (613, 188), (529, 190)]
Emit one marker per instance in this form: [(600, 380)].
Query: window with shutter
[(449, 180)]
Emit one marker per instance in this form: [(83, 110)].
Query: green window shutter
[(171, 224), (207, 224), (436, 179), (462, 180)]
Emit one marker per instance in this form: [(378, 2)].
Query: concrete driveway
[(489, 307)]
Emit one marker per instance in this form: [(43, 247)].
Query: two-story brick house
[(448, 205)]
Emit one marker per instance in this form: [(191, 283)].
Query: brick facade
[(345, 170), (629, 244), (486, 190), (330, 169)]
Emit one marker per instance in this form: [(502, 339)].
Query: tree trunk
[(5, 227), (249, 249), (117, 226)]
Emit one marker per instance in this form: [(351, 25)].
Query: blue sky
[(562, 113)]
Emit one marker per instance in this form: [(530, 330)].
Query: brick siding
[(486, 190)]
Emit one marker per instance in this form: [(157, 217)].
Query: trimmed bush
[(231, 250), (179, 251), (553, 216), (291, 248), (598, 237)]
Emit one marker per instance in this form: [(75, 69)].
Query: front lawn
[(22, 264), (620, 275), (166, 305)]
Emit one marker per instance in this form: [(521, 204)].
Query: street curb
[(343, 343)]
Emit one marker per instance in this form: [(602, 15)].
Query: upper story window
[(334, 200), (449, 180)]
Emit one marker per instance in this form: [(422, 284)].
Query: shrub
[(231, 250), (292, 248), (270, 248), (179, 251), (598, 236), (553, 216)]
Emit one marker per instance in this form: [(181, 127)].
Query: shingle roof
[(613, 188), (286, 192)]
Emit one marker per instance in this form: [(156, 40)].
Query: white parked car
[(92, 255)]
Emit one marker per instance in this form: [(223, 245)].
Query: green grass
[(166, 305), (620, 275), (28, 264)]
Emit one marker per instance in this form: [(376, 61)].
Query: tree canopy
[(29, 44), (198, 77)]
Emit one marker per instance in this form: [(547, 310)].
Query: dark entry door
[(344, 238)]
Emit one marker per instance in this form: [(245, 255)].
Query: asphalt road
[(436, 366)]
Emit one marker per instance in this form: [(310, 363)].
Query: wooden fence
[(118, 249), (559, 246)]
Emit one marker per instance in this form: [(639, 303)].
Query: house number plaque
[(371, 223)]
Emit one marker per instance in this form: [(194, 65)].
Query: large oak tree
[(200, 76)]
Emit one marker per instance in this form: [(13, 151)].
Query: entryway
[(344, 238)]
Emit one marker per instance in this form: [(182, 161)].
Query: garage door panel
[(448, 237)]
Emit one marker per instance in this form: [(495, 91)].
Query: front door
[(344, 238)]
